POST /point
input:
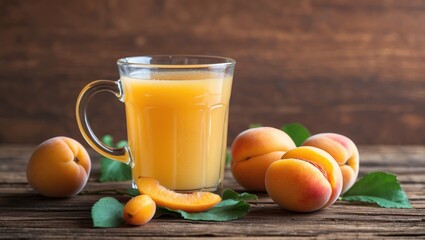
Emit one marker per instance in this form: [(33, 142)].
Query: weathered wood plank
[(25, 214)]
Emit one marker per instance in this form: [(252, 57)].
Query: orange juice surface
[(177, 127)]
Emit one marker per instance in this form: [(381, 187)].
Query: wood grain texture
[(25, 214), (353, 67)]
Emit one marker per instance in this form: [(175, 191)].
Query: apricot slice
[(189, 202)]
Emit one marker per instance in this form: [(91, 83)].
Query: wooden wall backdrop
[(353, 67)]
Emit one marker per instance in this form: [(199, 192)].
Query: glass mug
[(177, 110)]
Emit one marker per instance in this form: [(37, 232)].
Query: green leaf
[(230, 194), (121, 144), (228, 157), (107, 212), (233, 206), (108, 140), (112, 170), (381, 188), (297, 132), (255, 125), (226, 210), (132, 192), (161, 211)]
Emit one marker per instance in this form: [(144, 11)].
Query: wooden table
[(25, 214)]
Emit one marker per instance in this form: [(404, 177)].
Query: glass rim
[(217, 61)]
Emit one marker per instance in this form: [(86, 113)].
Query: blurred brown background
[(353, 67)]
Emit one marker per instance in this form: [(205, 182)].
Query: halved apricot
[(305, 180), (343, 150), (326, 163), (189, 202)]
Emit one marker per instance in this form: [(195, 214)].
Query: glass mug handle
[(119, 154)]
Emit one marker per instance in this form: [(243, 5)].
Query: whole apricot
[(305, 180), (59, 167), (253, 151), (139, 210), (343, 150)]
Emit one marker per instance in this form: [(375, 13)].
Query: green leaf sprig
[(232, 206), (298, 132), (380, 188), (111, 170), (108, 211)]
